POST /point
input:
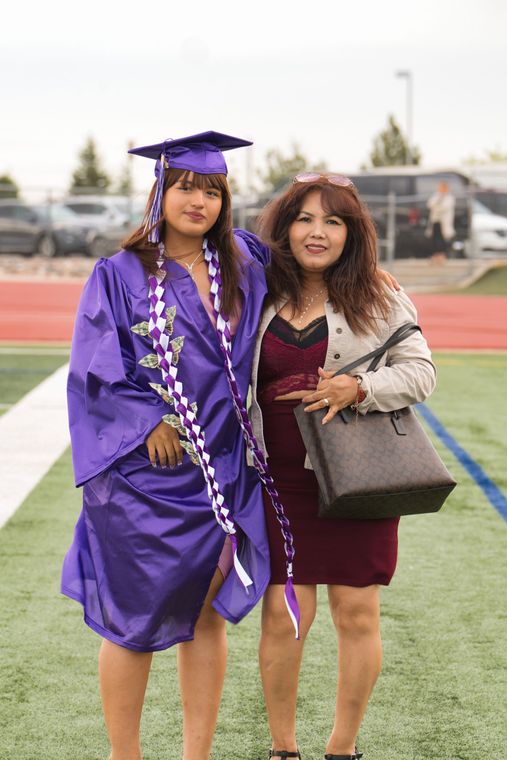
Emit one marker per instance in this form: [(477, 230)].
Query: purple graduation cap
[(201, 153)]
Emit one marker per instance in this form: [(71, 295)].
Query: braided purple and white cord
[(162, 346), (224, 333)]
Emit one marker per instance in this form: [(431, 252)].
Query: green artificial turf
[(470, 401), (493, 283), (443, 689), (19, 373)]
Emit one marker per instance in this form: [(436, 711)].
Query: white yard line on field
[(34, 433), (35, 351)]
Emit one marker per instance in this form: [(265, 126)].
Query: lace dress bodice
[(290, 357)]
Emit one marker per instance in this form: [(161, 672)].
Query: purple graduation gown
[(147, 543)]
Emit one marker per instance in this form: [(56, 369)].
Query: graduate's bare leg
[(201, 668), (280, 656), (356, 615), (123, 678)]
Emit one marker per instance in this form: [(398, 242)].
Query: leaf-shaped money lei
[(174, 421), (170, 313), (177, 345), (188, 447), (162, 392), (141, 328), (150, 361)]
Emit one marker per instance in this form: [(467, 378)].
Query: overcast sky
[(320, 72)]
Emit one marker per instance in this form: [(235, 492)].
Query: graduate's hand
[(164, 444), (389, 280)]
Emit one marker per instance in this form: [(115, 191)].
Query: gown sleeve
[(257, 249), (110, 413)]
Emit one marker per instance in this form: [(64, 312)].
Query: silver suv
[(46, 229)]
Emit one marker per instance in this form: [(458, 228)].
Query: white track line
[(34, 433)]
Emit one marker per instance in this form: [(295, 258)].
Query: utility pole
[(407, 76)]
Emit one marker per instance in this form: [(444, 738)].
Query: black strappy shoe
[(356, 756), (283, 753)]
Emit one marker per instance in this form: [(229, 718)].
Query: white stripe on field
[(38, 351), (34, 433)]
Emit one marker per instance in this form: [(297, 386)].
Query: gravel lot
[(74, 267)]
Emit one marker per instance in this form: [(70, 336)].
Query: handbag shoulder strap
[(400, 334)]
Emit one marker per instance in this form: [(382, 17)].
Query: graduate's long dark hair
[(220, 236), (353, 285)]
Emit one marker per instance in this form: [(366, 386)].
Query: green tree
[(125, 183), (233, 183), (89, 175), (390, 147), (496, 155), (490, 157), (8, 188), (280, 168)]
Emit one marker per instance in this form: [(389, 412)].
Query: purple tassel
[(156, 206)]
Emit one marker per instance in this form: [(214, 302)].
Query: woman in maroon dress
[(326, 307)]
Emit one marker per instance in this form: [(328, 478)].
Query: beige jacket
[(405, 375), (441, 207)]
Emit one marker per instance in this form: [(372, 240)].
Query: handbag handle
[(400, 334)]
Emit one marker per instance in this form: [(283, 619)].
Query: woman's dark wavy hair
[(220, 236), (353, 284)]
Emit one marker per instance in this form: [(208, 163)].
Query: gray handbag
[(381, 464)]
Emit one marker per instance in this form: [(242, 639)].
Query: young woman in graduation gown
[(167, 495)]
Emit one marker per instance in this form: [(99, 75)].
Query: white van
[(489, 231)]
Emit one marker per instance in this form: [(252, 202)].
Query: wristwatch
[(361, 395)]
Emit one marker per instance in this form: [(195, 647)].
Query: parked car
[(46, 229), (494, 200), (106, 240), (489, 231), (100, 210), (412, 186)]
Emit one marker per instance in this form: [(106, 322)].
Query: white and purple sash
[(162, 346)]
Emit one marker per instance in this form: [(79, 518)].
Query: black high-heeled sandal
[(283, 753), (356, 756)]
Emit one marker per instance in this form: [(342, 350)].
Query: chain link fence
[(401, 221), (404, 232)]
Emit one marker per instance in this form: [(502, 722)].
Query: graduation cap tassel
[(156, 206)]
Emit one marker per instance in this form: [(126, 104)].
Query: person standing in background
[(440, 228)]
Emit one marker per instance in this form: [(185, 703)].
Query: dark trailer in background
[(397, 197)]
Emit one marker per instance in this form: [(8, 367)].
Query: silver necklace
[(191, 266), (310, 300), (188, 266)]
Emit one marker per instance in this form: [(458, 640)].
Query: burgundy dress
[(347, 552)]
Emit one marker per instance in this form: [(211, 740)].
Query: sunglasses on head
[(334, 179)]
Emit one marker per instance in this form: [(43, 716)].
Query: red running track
[(35, 312)]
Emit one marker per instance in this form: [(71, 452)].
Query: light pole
[(407, 75)]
